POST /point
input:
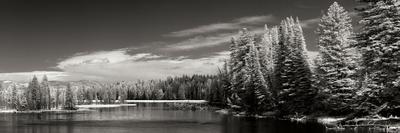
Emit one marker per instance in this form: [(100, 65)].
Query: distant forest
[(354, 74), (64, 95)]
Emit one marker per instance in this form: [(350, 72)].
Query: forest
[(354, 74), (46, 95)]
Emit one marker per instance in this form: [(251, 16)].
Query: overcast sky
[(135, 39)]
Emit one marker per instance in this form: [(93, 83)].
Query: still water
[(147, 118)]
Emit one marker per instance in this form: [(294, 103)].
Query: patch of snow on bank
[(166, 101), (104, 105), (329, 120)]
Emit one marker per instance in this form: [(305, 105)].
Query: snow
[(44, 111), (104, 105), (8, 111), (223, 111), (329, 120), (166, 101)]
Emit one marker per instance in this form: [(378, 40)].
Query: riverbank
[(80, 108), (373, 123), (191, 106), (376, 123), (45, 111)]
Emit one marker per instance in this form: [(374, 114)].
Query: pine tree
[(69, 99), (14, 97), (379, 40), (238, 70), (258, 94), (46, 92), (335, 65), (293, 72), (34, 94), (306, 92), (226, 82), (266, 55)]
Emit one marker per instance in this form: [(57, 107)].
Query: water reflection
[(149, 118), (253, 125)]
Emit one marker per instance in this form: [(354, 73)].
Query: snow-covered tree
[(335, 65), (266, 56), (238, 70), (258, 95), (69, 99), (293, 72), (33, 98), (46, 92), (379, 40), (14, 97)]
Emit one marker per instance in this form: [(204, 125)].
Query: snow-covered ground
[(104, 105), (329, 120), (166, 101), (45, 111)]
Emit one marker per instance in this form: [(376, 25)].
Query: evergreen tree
[(266, 56), (69, 99), (379, 40), (257, 96), (14, 97), (335, 65), (238, 72), (292, 70), (46, 92), (34, 94)]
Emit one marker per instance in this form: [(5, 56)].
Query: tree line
[(37, 96), (46, 95), (354, 73)]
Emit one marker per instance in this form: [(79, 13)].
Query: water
[(147, 118)]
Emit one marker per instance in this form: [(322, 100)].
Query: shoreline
[(44, 111), (387, 124), (81, 108), (166, 101)]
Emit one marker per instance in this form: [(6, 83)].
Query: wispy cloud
[(233, 25), (208, 41), (310, 23), (201, 41), (204, 29), (117, 65), (104, 57), (130, 67), (255, 19)]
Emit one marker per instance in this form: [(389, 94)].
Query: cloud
[(104, 57), (256, 19), (207, 41), (310, 23), (204, 29), (122, 66), (117, 65), (233, 25), (201, 41)]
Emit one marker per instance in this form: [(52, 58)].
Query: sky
[(117, 40)]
